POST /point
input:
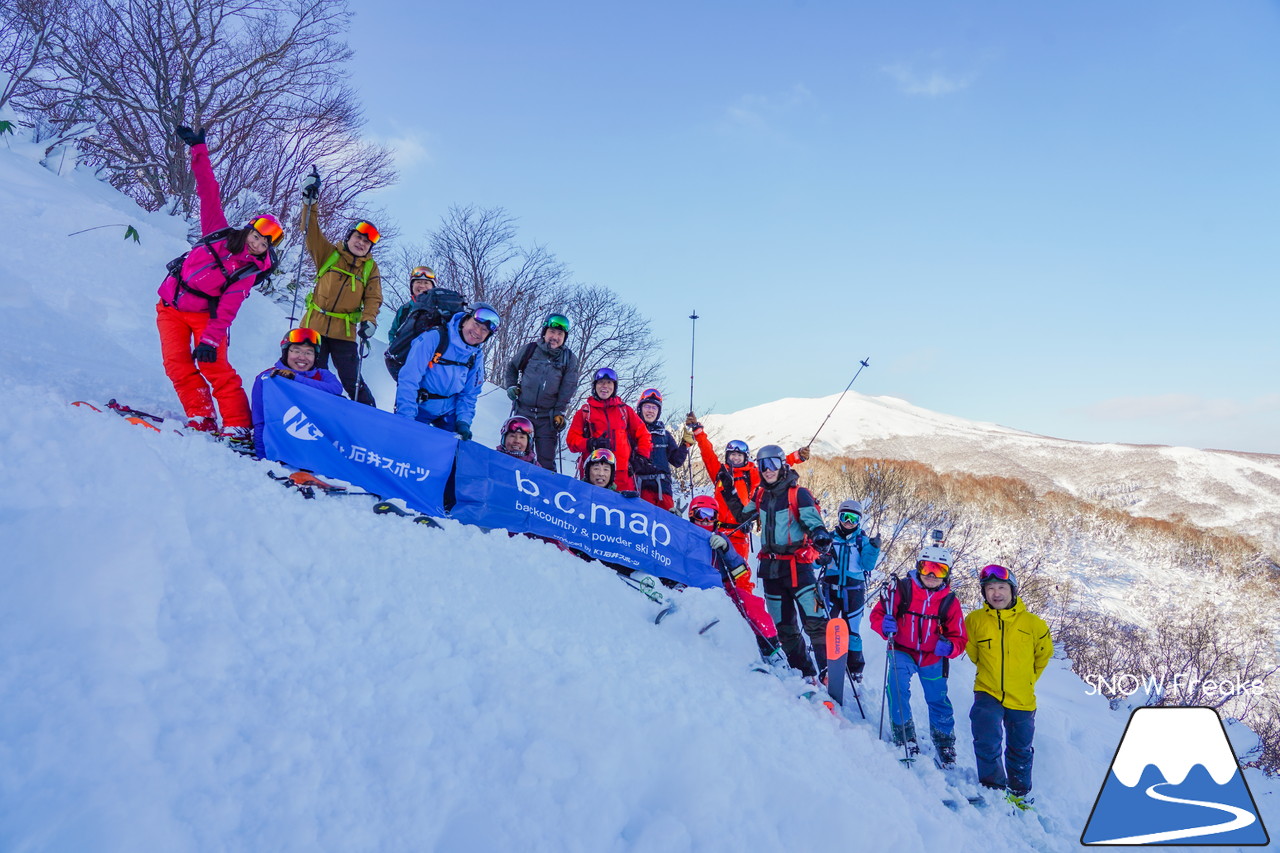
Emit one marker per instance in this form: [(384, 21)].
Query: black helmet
[(771, 457)]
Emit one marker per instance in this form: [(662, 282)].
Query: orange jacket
[(734, 486), (620, 427)]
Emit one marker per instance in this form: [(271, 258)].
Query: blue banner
[(383, 453), (497, 490)]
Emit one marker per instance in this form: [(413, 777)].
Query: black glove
[(874, 541), (191, 137), (629, 493), (825, 559), (820, 538), (598, 443), (206, 353), (366, 330), (560, 422), (283, 374), (311, 186)]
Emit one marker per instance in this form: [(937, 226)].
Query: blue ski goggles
[(488, 318), (770, 463), (737, 446)]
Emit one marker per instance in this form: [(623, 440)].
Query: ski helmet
[(484, 314), (423, 273), (997, 574), (595, 457), (517, 424), (934, 556), (738, 446), (268, 226), (650, 395), (704, 507), (771, 458), (299, 336), (605, 373), (556, 321), (365, 227)]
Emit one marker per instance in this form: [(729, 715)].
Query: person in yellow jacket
[(348, 293), (1011, 647)]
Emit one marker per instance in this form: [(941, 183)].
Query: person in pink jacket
[(199, 300), (921, 618)]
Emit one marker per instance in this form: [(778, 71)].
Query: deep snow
[(198, 659)]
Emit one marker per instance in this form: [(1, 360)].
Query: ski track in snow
[(197, 659)]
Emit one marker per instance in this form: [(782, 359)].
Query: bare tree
[(26, 32), (613, 333), (264, 76)]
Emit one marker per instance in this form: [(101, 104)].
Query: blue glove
[(943, 648), (463, 429), (889, 625)]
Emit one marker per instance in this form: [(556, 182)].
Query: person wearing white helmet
[(852, 556), (921, 618)]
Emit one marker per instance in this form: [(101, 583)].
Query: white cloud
[(1184, 408), (932, 84), (757, 111), (408, 147)]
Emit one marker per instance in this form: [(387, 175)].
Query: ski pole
[(693, 342), (363, 352), (302, 250), (864, 363), (887, 598)]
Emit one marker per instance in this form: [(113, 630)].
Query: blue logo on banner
[(1175, 779), (497, 490), (386, 454)]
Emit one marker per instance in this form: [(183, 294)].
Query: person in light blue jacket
[(852, 556), (442, 375)]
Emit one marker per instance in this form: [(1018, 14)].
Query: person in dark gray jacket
[(541, 382)]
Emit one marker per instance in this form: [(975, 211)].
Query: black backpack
[(433, 309), (174, 269)]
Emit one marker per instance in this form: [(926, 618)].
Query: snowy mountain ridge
[(1239, 492)]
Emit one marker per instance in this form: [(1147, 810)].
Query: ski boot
[(856, 664), (945, 746), (202, 425), (904, 735), (1022, 802), (239, 439)]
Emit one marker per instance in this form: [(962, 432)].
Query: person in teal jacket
[(791, 535), (853, 556), (439, 385)]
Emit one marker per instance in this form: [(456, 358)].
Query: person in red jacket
[(199, 301), (921, 618), (735, 482), (605, 422)]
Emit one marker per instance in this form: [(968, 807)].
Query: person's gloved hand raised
[(311, 186), (189, 136)]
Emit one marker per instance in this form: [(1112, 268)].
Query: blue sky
[(1059, 217)]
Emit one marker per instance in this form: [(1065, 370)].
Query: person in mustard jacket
[(348, 293), (1011, 647)]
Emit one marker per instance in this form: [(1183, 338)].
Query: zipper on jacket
[(1000, 622)]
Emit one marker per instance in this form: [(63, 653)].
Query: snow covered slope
[(1211, 488), (197, 659)]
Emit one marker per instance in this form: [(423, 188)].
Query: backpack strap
[(443, 345), (526, 356)]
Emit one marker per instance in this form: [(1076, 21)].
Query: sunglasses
[(769, 463), (737, 446), (268, 226), (993, 573), (302, 336), (518, 424), (605, 373), (928, 568), (850, 518), (488, 318), (651, 395), (369, 230), (704, 513), (558, 321), (422, 272)]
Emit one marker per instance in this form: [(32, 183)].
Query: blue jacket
[(855, 557), (454, 387), (318, 378)]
